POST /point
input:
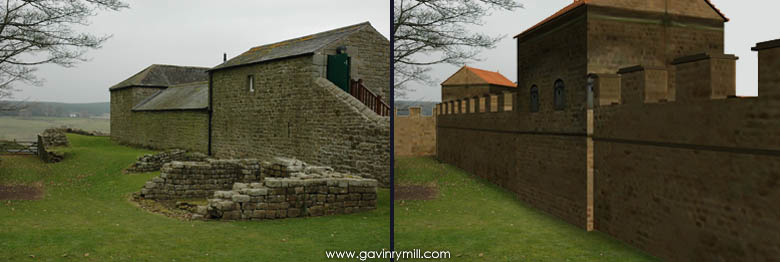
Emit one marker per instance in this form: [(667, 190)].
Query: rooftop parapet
[(768, 69), (606, 89), (643, 84), (705, 76)]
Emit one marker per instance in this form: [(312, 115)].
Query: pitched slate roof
[(292, 47), (163, 76), (469, 75), (190, 96), (578, 3)]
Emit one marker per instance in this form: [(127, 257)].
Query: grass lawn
[(478, 221), (26, 128), (86, 216)]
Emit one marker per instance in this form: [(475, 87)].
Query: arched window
[(560, 95), (534, 98)]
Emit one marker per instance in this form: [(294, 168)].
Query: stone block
[(259, 214), (226, 205), (257, 192), (240, 198), (239, 186), (231, 215), (293, 212)]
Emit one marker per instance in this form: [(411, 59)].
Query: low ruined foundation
[(250, 189), (154, 162)]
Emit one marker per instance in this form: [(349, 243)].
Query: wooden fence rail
[(373, 101)]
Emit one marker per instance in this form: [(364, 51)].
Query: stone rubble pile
[(250, 189), (178, 180), (153, 162), (47, 155), (84, 132), (54, 137)]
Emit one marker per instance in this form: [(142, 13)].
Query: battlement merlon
[(696, 77), (643, 84), (705, 76), (768, 69)]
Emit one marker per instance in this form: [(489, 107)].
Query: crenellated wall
[(690, 180), (687, 173), (538, 156)]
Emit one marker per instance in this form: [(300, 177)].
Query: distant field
[(26, 128)]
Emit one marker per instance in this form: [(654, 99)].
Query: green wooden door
[(338, 70)]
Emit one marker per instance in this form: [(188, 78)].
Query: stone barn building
[(625, 121), (163, 106), (321, 98), (277, 99)]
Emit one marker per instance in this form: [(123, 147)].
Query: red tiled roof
[(493, 78), (578, 3)]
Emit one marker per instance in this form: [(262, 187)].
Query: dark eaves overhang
[(130, 86)]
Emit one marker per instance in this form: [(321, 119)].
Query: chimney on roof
[(224, 57)]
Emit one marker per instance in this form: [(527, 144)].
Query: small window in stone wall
[(534, 98), (250, 82), (560, 95)]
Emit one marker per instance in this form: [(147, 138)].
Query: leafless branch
[(437, 28), (35, 32)]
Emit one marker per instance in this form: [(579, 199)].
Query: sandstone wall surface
[(292, 114), (690, 186), (183, 129), (414, 134), (538, 156)]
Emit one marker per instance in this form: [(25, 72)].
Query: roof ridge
[(492, 77), (487, 76), (178, 66), (456, 72), (302, 45), (160, 71), (483, 70), (360, 25)]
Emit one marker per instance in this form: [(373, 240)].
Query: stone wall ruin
[(154, 162), (300, 195), (250, 189)]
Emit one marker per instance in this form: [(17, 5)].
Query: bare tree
[(428, 32), (35, 32)]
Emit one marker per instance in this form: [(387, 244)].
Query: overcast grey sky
[(192, 32), (752, 21)]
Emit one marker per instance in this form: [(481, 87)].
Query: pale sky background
[(193, 33), (751, 21)]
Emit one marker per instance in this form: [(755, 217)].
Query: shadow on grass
[(478, 221)]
